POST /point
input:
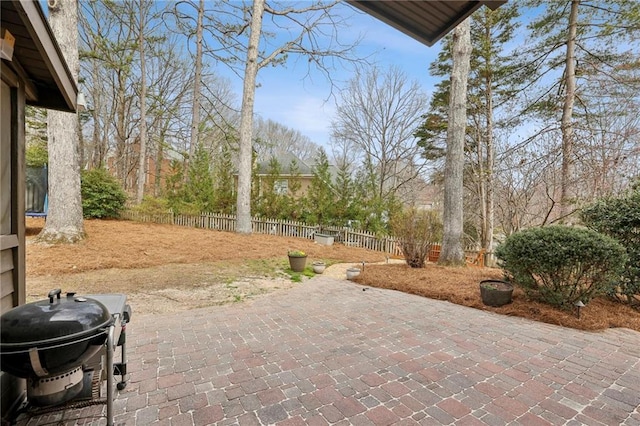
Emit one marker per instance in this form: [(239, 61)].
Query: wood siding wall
[(12, 227)]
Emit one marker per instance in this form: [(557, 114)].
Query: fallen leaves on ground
[(152, 260), (461, 286)]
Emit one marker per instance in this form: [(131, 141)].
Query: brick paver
[(326, 352)]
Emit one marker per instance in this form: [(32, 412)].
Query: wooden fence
[(285, 228), (289, 228)]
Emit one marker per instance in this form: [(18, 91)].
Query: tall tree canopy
[(582, 54), (377, 115), (305, 23), (490, 87)]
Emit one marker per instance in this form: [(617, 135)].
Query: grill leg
[(110, 346), (121, 368)]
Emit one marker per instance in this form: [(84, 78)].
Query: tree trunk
[(481, 186), (97, 158), (197, 80), (490, 167), (243, 206), (566, 192), (64, 218), (142, 160), (452, 252), (157, 190), (490, 261), (121, 143)]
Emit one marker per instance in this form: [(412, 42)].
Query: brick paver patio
[(332, 352)]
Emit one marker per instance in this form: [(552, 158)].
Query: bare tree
[(142, 160), (307, 23), (197, 82), (243, 203), (272, 138), (452, 252), (94, 23), (378, 114), (64, 219), (125, 55), (170, 75), (573, 45), (526, 182), (608, 151)]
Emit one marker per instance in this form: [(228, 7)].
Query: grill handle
[(54, 293)]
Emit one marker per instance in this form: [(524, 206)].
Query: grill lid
[(48, 322)]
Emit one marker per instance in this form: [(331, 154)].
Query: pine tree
[(293, 204), (224, 181), (578, 45), (489, 84), (346, 208), (271, 201), (320, 195), (451, 253), (199, 189)]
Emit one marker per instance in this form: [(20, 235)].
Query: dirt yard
[(165, 268)]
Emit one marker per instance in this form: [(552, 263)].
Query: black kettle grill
[(59, 346)]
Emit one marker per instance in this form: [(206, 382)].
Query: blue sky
[(305, 105)]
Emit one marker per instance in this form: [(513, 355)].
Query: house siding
[(12, 228)]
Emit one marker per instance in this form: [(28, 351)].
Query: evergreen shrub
[(562, 265), (416, 231), (153, 206), (102, 194), (619, 218)]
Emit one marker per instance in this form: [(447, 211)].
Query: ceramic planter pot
[(297, 263), (352, 273), (319, 267), (496, 292)]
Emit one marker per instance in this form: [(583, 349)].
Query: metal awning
[(37, 57), (426, 21)]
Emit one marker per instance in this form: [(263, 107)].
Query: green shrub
[(619, 218), (36, 154), (153, 206), (186, 208), (416, 231), (102, 194), (562, 265)]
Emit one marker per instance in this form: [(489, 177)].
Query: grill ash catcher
[(65, 349)]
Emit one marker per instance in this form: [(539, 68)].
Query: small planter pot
[(496, 292), (319, 267), (297, 263), (352, 273)]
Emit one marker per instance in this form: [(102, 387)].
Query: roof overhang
[(37, 57), (425, 20)]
